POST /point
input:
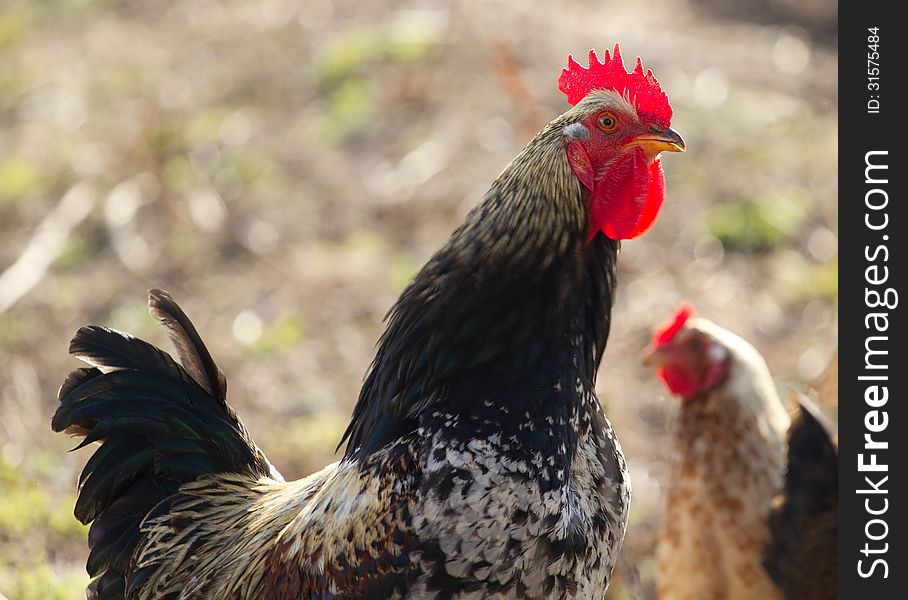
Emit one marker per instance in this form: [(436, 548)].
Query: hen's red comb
[(642, 90), (666, 332)]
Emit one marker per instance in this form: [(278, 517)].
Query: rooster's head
[(620, 123)]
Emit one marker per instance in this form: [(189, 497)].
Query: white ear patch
[(575, 131), (717, 352)]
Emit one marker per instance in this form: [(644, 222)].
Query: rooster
[(751, 510), (478, 460)]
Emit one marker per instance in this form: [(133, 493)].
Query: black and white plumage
[(478, 462)]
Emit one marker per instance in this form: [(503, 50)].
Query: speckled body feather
[(728, 464), (479, 462)]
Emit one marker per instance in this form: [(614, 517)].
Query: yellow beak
[(655, 142)]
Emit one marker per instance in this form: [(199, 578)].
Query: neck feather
[(514, 294)]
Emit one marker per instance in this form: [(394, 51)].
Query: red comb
[(642, 90), (665, 333)]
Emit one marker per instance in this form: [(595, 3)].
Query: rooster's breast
[(532, 513)]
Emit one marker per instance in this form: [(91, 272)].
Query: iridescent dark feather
[(159, 426), (802, 557)]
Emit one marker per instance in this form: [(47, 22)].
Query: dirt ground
[(283, 167)]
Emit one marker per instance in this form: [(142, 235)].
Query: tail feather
[(160, 423), (193, 353), (109, 586), (118, 467), (109, 350), (802, 554)]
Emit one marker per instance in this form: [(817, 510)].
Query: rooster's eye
[(607, 122)]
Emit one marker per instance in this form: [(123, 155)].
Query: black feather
[(108, 547), (109, 586), (160, 425), (421, 353), (802, 556), (109, 349), (113, 474), (77, 378), (193, 353)]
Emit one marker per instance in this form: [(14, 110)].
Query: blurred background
[(284, 167)]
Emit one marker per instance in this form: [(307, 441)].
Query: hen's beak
[(655, 142), (655, 356)]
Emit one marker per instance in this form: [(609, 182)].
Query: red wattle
[(655, 194), (677, 383), (627, 196)]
